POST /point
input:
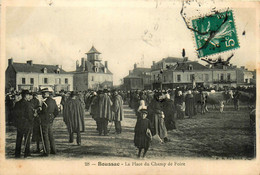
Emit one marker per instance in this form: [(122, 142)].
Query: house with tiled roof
[(185, 74), (138, 78), (92, 73), (36, 76)]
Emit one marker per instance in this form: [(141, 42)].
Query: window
[(96, 69), (66, 81), (192, 77), (228, 76), (57, 81), (58, 71), (92, 78), (190, 67), (164, 78), (222, 77), (206, 77), (45, 70), (246, 80), (23, 80), (178, 78), (32, 80), (153, 77), (45, 80)]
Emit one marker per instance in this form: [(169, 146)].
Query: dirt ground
[(215, 135)]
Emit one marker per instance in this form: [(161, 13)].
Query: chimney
[(30, 62), (153, 62), (77, 64), (135, 66), (10, 61), (83, 64), (106, 64)]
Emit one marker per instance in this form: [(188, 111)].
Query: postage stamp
[(215, 33)]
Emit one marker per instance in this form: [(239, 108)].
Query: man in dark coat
[(36, 136), (94, 109), (190, 109), (74, 117), (23, 120), (47, 115), (169, 111), (118, 112), (236, 100), (179, 105), (105, 112)]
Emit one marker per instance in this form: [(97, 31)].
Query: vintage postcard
[(129, 87)]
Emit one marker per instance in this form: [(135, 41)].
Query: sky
[(125, 32)]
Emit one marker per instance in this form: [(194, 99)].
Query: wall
[(80, 81), (133, 83), (98, 79), (200, 76), (10, 77), (39, 79), (217, 73)]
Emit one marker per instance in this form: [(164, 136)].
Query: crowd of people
[(156, 114)]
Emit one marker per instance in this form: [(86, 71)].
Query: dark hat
[(24, 92), (105, 91), (143, 111), (73, 93)]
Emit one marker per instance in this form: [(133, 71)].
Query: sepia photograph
[(129, 87)]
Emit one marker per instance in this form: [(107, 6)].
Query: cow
[(57, 99), (212, 98)]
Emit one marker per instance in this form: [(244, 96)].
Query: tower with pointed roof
[(92, 74), (93, 55)]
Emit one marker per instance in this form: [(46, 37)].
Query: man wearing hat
[(118, 111), (74, 117), (105, 112), (23, 120), (47, 115)]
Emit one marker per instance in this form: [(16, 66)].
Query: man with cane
[(48, 113), (23, 114)]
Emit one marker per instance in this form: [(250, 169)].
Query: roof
[(89, 67), (132, 76), (142, 69), (93, 50), (172, 59), (35, 68), (185, 66)]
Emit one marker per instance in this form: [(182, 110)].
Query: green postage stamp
[(215, 33)]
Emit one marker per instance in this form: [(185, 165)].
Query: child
[(142, 106), (221, 109), (142, 137)]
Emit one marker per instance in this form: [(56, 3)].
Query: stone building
[(31, 76), (92, 74), (138, 78), (184, 74), (231, 76)]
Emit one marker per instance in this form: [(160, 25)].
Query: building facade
[(36, 76), (92, 74), (185, 74), (138, 78)]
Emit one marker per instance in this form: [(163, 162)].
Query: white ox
[(57, 99)]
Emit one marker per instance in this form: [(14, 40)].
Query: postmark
[(215, 33)]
